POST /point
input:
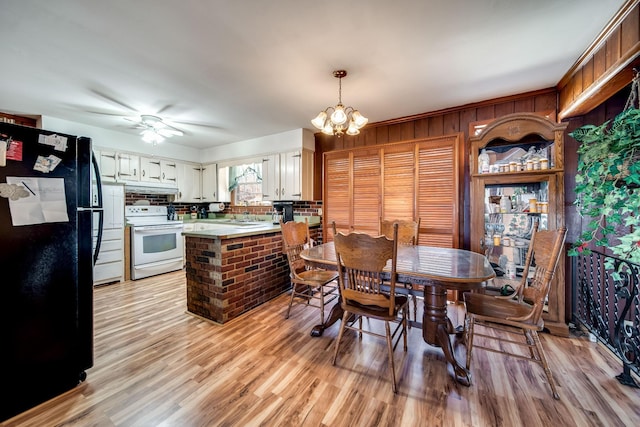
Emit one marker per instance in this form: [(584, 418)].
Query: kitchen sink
[(239, 222)]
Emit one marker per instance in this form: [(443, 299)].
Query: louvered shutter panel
[(337, 198), (366, 190), (439, 192)]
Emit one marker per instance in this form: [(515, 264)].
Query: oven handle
[(153, 228)]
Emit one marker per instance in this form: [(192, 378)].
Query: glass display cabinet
[(517, 179)]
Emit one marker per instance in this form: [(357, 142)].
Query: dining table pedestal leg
[(334, 315), (437, 328)]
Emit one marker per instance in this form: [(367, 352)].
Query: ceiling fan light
[(358, 119), (338, 116), (151, 136), (320, 120)]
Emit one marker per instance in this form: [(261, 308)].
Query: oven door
[(156, 249)]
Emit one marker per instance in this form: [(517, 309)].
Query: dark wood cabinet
[(524, 185)]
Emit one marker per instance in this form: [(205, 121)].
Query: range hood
[(149, 188)]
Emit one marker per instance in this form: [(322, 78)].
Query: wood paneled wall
[(606, 66), (439, 123)]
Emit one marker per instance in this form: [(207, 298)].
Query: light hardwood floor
[(156, 365)]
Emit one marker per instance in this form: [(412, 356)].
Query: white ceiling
[(231, 70)]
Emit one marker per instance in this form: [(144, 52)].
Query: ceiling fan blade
[(198, 124), (112, 100), (167, 132), (165, 108)]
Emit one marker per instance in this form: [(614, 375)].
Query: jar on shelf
[(544, 164), (529, 164), (483, 162), (505, 204), (544, 207)]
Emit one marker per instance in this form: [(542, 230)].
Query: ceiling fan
[(154, 130)]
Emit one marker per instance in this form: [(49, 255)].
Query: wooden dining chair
[(408, 234), (522, 313), (310, 286), (361, 259)]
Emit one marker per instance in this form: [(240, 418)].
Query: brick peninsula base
[(229, 276)]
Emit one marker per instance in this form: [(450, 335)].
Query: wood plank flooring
[(156, 365)]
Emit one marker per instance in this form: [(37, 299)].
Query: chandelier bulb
[(339, 116)]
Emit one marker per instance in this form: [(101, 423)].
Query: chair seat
[(500, 310), (375, 311), (317, 276)]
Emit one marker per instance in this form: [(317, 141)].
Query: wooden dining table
[(435, 270)]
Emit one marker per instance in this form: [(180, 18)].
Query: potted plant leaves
[(607, 182)]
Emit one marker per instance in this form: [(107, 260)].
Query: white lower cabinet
[(110, 263), (109, 266)]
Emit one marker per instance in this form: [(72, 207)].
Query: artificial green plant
[(607, 182)]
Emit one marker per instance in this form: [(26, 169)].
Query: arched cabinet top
[(515, 127), (521, 130)]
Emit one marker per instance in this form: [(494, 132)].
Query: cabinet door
[(291, 176), (108, 165), (169, 172), (150, 170), (113, 196), (128, 167), (188, 179), (271, 177), (209, 183)]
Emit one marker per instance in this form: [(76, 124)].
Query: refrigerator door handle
[(96, 251), (98, 206), (96, 170)]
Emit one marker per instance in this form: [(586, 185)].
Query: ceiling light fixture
[(333, 120), (155, 130)]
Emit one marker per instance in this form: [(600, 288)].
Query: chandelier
[(155, 130), (335, 120)]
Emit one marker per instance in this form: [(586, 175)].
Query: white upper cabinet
[(288, 176), (150, 170), (169, 172), (210, 183), (108, 165), (188, 177), (128, 167), (291, 176), (158, 171), (271, 177)]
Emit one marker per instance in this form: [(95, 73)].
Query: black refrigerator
[(46, 264)]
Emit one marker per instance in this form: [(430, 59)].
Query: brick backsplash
[(300, 208)]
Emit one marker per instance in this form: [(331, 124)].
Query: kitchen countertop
[(226, 228)]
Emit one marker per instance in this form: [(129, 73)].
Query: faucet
[(246, 212)]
